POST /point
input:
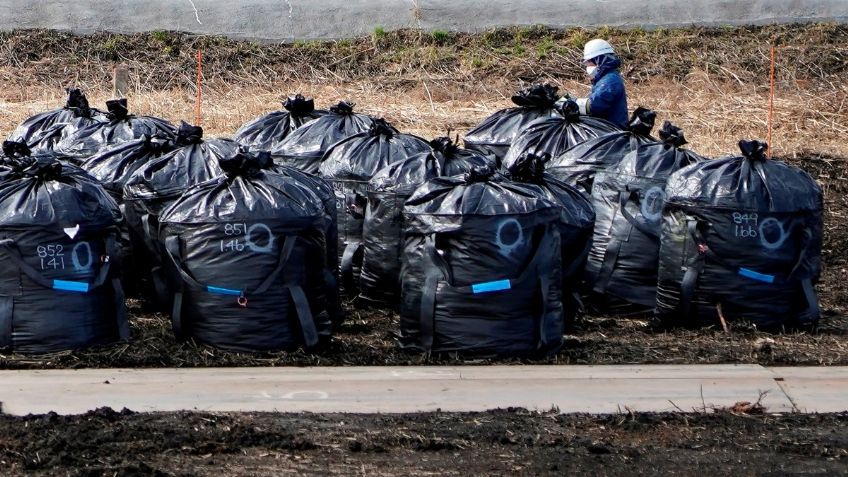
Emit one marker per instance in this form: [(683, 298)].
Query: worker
[(608, 100)]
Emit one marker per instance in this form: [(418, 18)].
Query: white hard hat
[(595, 48)]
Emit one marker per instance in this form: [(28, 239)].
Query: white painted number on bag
[(257, 238)]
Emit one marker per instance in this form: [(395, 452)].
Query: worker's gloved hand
[(582, 105), (563, 99), (568, 108)]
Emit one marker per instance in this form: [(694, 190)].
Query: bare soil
[(502, 442)]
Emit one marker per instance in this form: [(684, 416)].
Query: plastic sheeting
[(42, 131), (349, 165), (383, 224), (155, 186), (578, 165), (741, 237), (58, 238), (481, 268), (322, 189), (628, 199), (577, 220), (245, 256), (305, 147), (265, 133), (82, 143), (554, 135), (113, 167), (494, 135)]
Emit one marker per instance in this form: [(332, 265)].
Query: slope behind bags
[(555, 134), (481, 268), (383, 224), (578, 165), (245, 256), (305, 147), (741, 237), (628, 200), (349, 165), (265, 133), (59, 289), (494, 135)]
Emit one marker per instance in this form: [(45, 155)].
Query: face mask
[(590, 70)]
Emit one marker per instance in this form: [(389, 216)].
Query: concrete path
[(587, 389)]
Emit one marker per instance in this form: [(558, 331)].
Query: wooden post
[(120, 81)]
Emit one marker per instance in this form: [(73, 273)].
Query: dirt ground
[(503, 442)]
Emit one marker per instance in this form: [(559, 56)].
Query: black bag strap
[(641, 224), (173, 250), (304, 314), (696, 265), (14, 252), (7, 307), (352, 256), (437, 269), (121, 310)]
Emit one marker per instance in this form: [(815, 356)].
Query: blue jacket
[(608, 99)]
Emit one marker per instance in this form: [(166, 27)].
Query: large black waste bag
[(265, 133), (17, 156), (42, 131), (349, 165), (324, 191), (59, 289), (113, 167), (578, 165), (242, 253), (628, 200), (305, 147), (155, 186), (481, 268), (577, 220), (495, 134), (80, 144), (741, 237), (383, 225), (557, 133)]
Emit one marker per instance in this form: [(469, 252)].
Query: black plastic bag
[(741, 239), (242, 251), (383, 224), (58, 247), (82, 143), (577, 220), (554, 135), (349, 165), (322, 189), (42, 131), (155, 186), (113, 167), (628, 199), (305, 147), (495, 134), (481, 268), (265, 133), (578, 165)]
